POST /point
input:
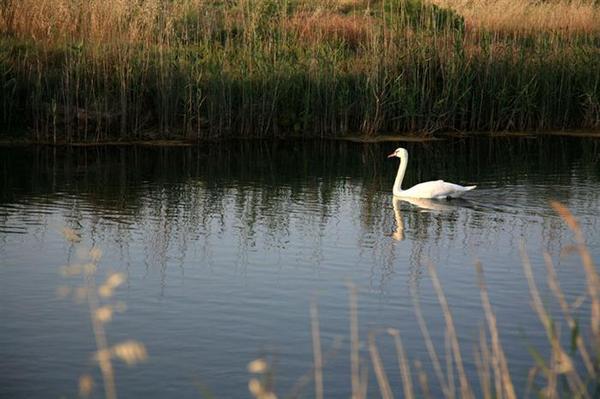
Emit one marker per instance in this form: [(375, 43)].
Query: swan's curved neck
[(397, 189)]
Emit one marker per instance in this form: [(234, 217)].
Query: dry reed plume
[(102, 308), (566, 373)]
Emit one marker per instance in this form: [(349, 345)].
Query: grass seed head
[(258, 366), (131, 352), (104, 314), (86, 385)]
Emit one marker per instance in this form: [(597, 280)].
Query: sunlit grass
[(523, 17)]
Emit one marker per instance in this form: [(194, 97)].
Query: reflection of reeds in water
[(102, 310)]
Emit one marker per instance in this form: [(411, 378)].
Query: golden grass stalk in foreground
[(504, 386), (571, 374), (566, 309), (593, 282), (101, 311), (437, 367), (354, 343), (260, 385), (561, 362), (403, 364), (465, 387), (318, 358), (562, 375), (382, 380)]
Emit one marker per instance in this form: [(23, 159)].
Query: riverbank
[(414, 138), (104, 71)]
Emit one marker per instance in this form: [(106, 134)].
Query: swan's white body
[(437, 189)]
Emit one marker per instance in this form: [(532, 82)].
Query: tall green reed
[(262, 68)]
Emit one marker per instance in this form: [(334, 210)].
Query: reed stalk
[(194, 69), (318, 357)]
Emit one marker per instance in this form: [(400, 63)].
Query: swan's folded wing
[(437, 189), (428, 189), (445, 190)]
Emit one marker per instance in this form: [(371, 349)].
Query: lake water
[(224, 247)]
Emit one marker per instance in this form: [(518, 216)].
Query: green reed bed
[(95, 71)]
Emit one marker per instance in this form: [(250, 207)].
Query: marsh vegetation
[(99, 70)]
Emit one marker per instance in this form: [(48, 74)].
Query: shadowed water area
[(225, 245)]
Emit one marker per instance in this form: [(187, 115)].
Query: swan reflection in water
[(423, 205)]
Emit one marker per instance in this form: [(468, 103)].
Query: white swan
[(437, 189)]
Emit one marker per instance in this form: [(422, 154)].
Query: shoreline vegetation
[(176, 141), (189, 70)]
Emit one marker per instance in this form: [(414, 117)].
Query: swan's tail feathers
[(469, 188)]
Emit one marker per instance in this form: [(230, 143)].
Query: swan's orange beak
[(392, 155)]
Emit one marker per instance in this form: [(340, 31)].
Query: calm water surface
[(224, 247)]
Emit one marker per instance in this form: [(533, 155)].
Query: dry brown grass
[(125, 21), (92, 21), (315, 27), (525, 16)]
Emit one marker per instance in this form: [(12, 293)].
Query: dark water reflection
[(224, 246)]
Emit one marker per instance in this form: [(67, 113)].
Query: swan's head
[(399, 153)]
